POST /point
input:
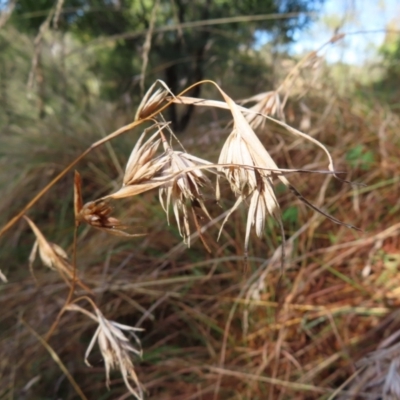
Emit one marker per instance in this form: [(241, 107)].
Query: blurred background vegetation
[(73, 71)]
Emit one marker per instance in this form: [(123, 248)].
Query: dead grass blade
[(147, 45), (57, 360)]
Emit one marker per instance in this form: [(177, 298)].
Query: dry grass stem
[(379, 371), (192, 304)]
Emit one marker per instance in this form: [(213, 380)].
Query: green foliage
[(185, 55), (291, 215), (360, 157), (385, 87)]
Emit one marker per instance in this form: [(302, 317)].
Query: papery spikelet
[(268, 103), (263, 202), (52, 255), (253, 174), (151, 102), (115, 348), (97, 214), (183, 187), (142, 165), (237, 153)]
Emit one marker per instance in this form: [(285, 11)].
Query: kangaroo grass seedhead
[(115, 348), (268, 103), (142, 164), (151, 102), (52, 255), (237, 152), (97, 213), (184, 186)]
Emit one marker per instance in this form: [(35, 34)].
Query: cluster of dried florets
[(379, 372), (244, 162), (180, 178), (115, 348)]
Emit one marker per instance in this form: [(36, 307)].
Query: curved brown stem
[(112, 135)]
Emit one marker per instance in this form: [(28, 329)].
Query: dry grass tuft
[(210, 328)]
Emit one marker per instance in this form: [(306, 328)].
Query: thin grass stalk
[(57, 359), (112, 135), (71, 290)]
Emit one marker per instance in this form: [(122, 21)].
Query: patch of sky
[(363, 21)]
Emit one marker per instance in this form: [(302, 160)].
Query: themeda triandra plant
[(157, 162), (114, 346)]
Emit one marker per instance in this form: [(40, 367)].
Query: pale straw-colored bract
[(237, 152), (253, 174), (115, 348), (51, 254), (268, 103), (379, 371), (142, 165), (184, 186), (245, 162)]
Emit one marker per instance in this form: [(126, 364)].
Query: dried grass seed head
[(263, 202), (253, 174), (236, 151), (268, 103), (97, 214), (52, 255), (152, 102), (142, 165), (184, 185), (115, 348)]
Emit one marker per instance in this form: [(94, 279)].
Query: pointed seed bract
[(183, 187), (115, 348)]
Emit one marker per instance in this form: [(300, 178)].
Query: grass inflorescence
[(237, 298)]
